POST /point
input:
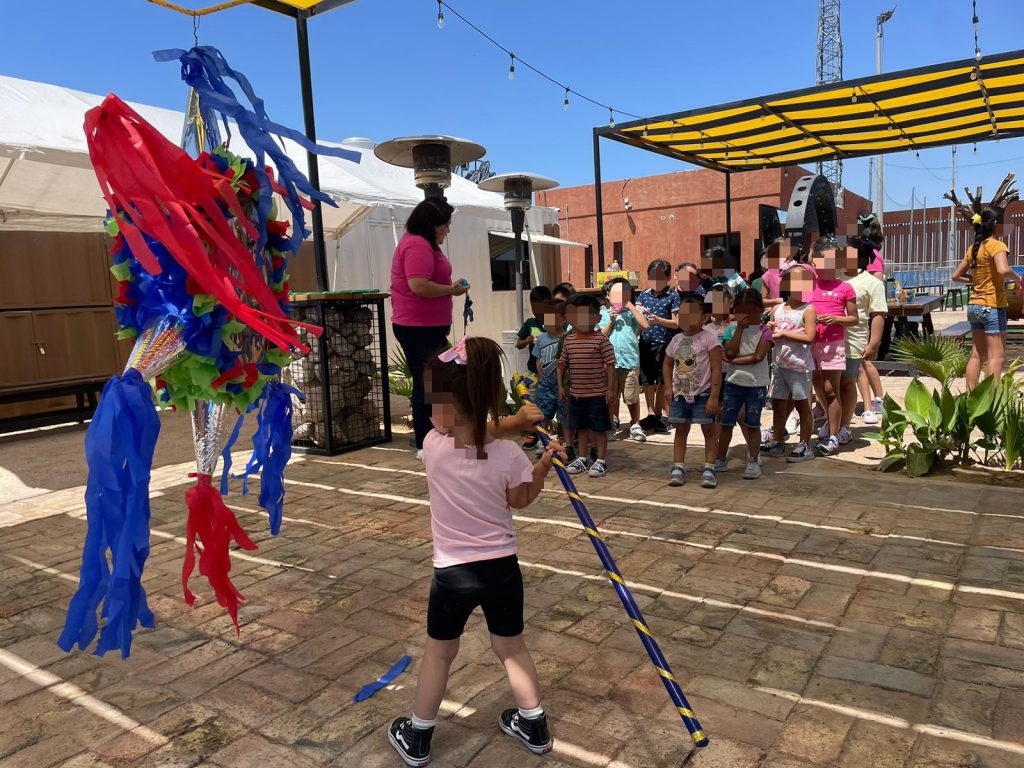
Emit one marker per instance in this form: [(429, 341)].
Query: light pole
[(518, 189), (880, 21)]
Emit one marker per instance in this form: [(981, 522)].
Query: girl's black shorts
[(494, 585)]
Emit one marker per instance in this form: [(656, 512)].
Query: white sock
[(531, 714), (423, 725)]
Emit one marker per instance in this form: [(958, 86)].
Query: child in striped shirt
[(588, 359)]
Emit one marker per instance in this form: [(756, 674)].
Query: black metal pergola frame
[(616, 132)]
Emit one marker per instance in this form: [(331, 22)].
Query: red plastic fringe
[(215, 526)]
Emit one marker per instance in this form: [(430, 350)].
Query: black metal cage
[(344, 377)]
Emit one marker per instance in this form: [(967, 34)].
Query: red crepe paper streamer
[(171, 198), (214, 525)]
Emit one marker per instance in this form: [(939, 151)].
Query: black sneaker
[(533, 733), (412, 744), (531, 442)]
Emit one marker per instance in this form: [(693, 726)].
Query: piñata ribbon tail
[(210, 529), (119, 448), (225, 455), (383, 681), (272, 448)]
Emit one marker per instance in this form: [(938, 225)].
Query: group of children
[(713, 350), (703, 350)]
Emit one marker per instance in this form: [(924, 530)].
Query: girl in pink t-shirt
[(474, 482), (836, 304)]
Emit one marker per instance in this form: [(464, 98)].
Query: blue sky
[(381, 68)]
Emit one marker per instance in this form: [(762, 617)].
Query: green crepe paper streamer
[(203, 304), (122, 271), (112, 227), (126, 333), (229, 332), (279, 285), (278, 357)]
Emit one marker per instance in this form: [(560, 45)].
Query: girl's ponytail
[(984, 227), (483, 387)]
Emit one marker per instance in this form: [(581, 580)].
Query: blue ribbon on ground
[(371, 688), (272, 448), (119, 448), (205, 69)]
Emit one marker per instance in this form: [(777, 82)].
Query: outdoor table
[(899, 314)]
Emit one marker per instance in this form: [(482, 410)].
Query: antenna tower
[(830, 70)]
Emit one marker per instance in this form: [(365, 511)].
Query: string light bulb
[(853, 97), (512, 67), (440, 16), (611, 118), (565, 101), (644, 132)]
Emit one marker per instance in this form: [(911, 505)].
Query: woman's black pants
[(420, 344)]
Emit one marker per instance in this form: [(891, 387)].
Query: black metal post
[(319, 247), (518, 219), (728, 217), (598, 202), (305, 76)]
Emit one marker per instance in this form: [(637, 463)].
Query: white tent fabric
[(46, 179), (540, 239)]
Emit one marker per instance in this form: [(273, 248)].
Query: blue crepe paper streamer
[(119, 448), (371, 688), (205, 69), (225, 455), (272, 448)]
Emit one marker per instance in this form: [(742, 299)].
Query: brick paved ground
[(822, 616)]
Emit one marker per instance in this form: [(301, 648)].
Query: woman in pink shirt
[(421, 298), (475, 482)]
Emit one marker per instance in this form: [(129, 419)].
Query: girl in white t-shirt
[(474, 481)]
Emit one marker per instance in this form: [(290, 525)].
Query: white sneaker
[(636, 432), (753, 471), (419, 455), (793, 423), (613, 435), (823, 433), (877, 406), (599, 468), (721, 465), (845, 435), (869, 417), (802, 452)]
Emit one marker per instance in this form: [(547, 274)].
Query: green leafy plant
[(938, 357), (400, 374)]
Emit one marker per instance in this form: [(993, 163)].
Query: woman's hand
[(460, 287)]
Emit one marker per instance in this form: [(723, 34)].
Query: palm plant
[(938, 357), (399, 374)]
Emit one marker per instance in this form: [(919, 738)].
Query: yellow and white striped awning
[(954, 103)]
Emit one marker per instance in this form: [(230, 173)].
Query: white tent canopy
[(47, 182)]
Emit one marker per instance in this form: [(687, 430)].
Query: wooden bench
[(961, 330)]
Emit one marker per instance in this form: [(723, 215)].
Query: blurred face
[(657, 280), (538, 310), (799, 283), (691, 317), (582, 317), (441, 232), (687, 279), (850, 261), (560, 295), (721, 305), (772, 258), (443, 415), (752, 312), (554, 322), (828, 263), (620, 295)]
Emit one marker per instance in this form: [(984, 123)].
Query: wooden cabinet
[(53, 269)]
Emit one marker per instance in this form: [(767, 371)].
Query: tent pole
[(728, 217), (319, 248), (598, 202), (518, 217)]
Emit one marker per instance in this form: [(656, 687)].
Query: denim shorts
[(748, 399), (545, 397), (852, 367), (987, 319), (682, 412), (787, 383), (589, 413)]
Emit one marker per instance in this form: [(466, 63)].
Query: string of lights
[(514, 59)]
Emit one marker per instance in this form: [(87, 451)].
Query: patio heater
[(518, 189), (431, 158)]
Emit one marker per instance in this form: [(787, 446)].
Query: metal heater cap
[(518, 187), (431, 157)]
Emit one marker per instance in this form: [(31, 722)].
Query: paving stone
[(787, 591), (814, 734), (879, 675), (727, 753), (253, 750), (965, 707), (874, 745)]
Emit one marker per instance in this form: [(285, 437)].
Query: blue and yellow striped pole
[(675, 692)]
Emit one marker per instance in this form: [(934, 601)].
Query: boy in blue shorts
[(545, 350)]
